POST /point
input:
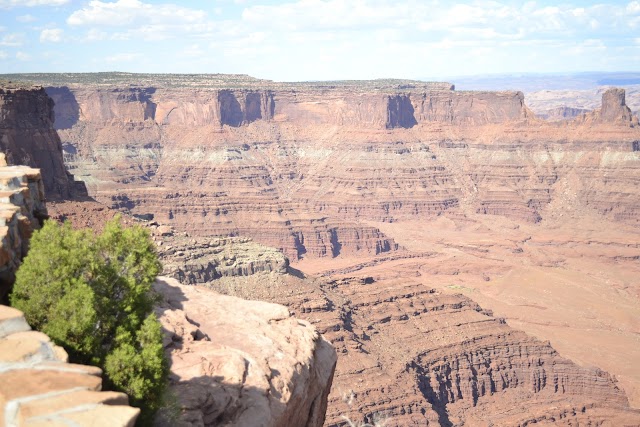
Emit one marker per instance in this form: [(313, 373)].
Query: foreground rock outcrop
[(39, 388), (242, 363), (22, 210), (196, 260)]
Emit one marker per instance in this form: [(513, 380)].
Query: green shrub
[(92, 295)]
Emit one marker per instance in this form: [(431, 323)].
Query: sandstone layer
[(242, 363), (197, 260), (260, 162), (39, 388), (412, 355)]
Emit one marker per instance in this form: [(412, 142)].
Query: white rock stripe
[(13, 325)]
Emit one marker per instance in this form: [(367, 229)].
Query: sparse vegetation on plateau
[(92, 295), (215, 82)]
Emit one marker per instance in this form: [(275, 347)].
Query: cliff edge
[(242, 363)]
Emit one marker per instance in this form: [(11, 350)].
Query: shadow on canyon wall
[(68, 111)]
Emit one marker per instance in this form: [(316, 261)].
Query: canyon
[(424, 229)]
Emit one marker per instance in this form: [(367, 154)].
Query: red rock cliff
[(194, 107), (302, 169)]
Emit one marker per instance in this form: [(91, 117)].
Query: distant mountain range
[(536, 82)]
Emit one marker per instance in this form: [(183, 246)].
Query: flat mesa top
[(213, 81), (11, 84)]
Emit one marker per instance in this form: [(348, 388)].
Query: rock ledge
[(242, 363), (39, 388)]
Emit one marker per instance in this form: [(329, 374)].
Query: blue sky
[(319, 39)]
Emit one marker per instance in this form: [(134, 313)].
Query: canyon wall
[(309, 170), (276, 370), (151, 138), (234, 108), (409, 354)]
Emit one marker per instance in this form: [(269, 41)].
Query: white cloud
[(124, 13), (480, 18), (8, 4), (122, 57), (300, 39), (193, 51), (26, 18), (95, 35), (408, 20), (3, 54), (23, 56), (318, 14), (53, 35), (133, 19), (13, 39)]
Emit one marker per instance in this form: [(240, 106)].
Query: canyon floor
[(569, 281)]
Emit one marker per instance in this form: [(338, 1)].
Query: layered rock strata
[(171, 127), (39, 388), (22, 210), (310, 169), (194, 260), (242, 363), (412, 355), (27, 137)]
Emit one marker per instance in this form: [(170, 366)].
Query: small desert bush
[(92, 295)]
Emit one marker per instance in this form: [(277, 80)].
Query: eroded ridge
[(415, 355)]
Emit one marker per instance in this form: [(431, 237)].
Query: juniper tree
[(92, 295)]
